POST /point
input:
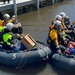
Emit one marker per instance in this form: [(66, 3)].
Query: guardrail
[(22, 3)]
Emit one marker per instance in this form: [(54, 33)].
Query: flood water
[(36, 24)]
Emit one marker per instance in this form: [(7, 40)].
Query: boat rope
[(46, 54), (43, 50), (19, 65)]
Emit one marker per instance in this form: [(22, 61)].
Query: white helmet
[(63, 14), (58, 17), (6, 16), (9, 25), (57, 23)]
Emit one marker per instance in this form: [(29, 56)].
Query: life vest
[(6, 38), (52, 25), (53, 36), (1, 22), (2, 28)]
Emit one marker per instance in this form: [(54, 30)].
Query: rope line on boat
[(19, 65), (46, 54), (43, 50)]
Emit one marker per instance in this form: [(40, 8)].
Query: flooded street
[(36, 24)]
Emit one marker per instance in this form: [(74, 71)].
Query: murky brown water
[(36, 24)]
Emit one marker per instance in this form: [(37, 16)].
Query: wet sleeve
[(54, 36), (56, 41)]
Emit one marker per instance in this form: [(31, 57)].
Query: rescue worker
[(8, 38), (57, 17), (55, 37), (3, 29), (17, 25), (66, 20), (6, 19)]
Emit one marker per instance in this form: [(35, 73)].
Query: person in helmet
[(17, 25), (6, 19), (55, 38), (63, 15), (8, 38), (8, 44), (6, 29), (57, 17), (53, 35), (6, 16), (66, 20)]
